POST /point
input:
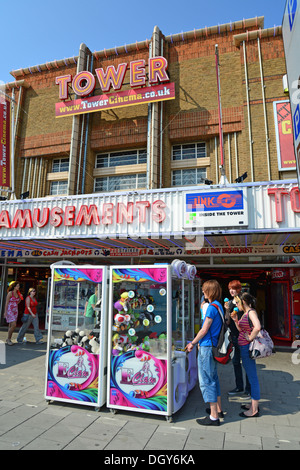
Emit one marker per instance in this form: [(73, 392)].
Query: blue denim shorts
[(208, 375)]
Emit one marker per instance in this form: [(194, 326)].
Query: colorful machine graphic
[(73, 375), (77, 275), (139, 380), (77, 353)]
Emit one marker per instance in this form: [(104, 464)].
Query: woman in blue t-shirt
[(207, 366)]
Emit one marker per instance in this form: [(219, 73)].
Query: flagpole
[(223, 179)]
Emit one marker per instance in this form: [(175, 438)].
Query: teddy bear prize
[(85, 338)]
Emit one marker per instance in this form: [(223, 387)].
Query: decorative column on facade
[(79, 128), (153, 151)]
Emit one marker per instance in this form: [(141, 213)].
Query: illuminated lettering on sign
[(293, 194), (71, 216), (84, 83)]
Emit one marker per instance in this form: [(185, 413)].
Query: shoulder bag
[(262, 345)]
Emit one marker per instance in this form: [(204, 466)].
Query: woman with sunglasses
[(248, 327), (31, 316), (13, 299)]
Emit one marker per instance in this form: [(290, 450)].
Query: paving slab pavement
[(27, 422)]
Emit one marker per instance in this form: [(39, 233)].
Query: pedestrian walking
[(207, 366), (13, 299), (249, 327), (30, 316)]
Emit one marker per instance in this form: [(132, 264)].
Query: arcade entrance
[(28, 276), (273, 297)]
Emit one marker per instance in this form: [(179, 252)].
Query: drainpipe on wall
[(265, 110), (248, 112), (236, 155)]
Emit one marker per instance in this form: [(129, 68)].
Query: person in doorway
[(207, 366), (32, 317), (249, 327), (13, 299), (89, 312), (235, 288)]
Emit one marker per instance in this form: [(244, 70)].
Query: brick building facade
[(248, 90), (148, 157)]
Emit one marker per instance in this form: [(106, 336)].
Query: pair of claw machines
[(117, 335)]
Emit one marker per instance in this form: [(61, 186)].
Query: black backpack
[(223, 351)]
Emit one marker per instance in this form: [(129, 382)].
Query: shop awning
[(237, 219)]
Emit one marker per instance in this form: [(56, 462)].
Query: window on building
[(61, 164), (188, 177), (189, 151), (58, 187), (112, 159), (120, 183)]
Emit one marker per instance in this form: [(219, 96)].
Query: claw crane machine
[(183, 276), (77, 339), (147, 362)]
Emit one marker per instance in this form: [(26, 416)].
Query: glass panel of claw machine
[(194, 315), (77, 345), (184, 366), (140, 344)]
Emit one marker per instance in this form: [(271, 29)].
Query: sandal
[(256, 415), (246, 407), (9, 342)]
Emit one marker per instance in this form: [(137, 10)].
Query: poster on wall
[(218, 208), (284, 135), (291, 38), (4, 143)]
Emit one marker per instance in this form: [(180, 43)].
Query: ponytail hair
[(248, 299)]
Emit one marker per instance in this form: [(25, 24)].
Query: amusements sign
[(84, 84), (4, 143)]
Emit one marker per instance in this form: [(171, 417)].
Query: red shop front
[(277, 293)]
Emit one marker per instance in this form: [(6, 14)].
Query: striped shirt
[(245, 328)]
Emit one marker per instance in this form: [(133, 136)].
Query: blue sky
[(35, 32)]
